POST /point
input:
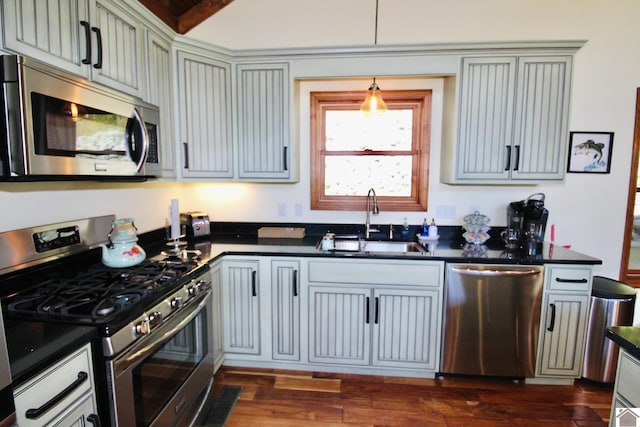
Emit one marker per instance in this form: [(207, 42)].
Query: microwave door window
[(64, 128)]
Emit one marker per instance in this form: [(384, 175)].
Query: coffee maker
[(526, 223)]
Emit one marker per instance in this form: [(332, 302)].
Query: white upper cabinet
[(263, 121), (55, 31), (204, 86), (96, 39), (159, 78), (119, 40), (512, 120)]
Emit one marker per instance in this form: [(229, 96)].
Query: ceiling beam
[(199, 13), (181, 20)]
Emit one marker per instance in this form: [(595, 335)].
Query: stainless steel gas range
[(148, 325)]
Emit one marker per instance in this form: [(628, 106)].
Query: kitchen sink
[(376, 246), (395, 247)]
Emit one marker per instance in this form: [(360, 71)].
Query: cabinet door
[(263, 121), (285, 303), (73, 373), (542, 117), (485, 123), (160, 78), (339, 325), (241, 315), (82, 414), (205, 116), (119, 40), (216, 314), (564, 320), (49, 31), (406, 328)]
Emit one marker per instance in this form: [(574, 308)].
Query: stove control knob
[(195, 289), (176, 302), (144, 327), (155, 318)]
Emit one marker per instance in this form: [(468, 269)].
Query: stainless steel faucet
[(376, 211)]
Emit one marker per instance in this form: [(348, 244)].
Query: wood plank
[(297, 398)]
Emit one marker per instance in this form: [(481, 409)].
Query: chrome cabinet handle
[(37, 412)]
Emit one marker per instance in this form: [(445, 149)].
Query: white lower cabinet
[(241, 308), (563, 322), (374, 326), (406, 328), (285, 306), (339, 319), (626, 393), (61, 395), (375, 313)]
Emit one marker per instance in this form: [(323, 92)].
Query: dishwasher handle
[(470, 271)]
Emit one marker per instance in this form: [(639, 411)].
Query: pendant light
[(374, 103)]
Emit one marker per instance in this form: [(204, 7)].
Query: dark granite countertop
[(33, 346), (242, 239), (627, 337)]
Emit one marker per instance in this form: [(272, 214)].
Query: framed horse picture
[(590, 152)]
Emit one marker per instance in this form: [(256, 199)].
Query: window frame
[(417, 100)]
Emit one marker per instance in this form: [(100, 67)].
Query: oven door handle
[(139, 353)]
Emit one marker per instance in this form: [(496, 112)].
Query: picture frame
[(590, 152)]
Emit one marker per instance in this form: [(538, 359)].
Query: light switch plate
[(445, 212)]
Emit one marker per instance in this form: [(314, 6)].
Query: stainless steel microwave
[(56, 126)]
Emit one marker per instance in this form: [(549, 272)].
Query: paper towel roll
[(175, 219)]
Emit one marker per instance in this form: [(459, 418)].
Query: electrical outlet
[(297, 208), (282, 209), (446, 212)]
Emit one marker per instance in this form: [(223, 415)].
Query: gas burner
[(181, 254), (99, 293)]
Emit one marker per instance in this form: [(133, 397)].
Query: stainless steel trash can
[(612, 304)]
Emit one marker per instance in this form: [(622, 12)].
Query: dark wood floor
[(295, 398)]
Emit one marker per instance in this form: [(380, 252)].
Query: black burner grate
[(98, 293)]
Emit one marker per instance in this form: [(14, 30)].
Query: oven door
[(164, 379)]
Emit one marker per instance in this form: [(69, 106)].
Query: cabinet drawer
[(569, 279), (376, 273), (628, 378), (47, 384)]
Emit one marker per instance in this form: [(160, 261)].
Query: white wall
[(588, 210)]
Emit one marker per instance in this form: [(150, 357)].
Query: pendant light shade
[(373, 103)]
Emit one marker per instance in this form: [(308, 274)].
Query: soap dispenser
[(433, 229), (405, 230), (425, 228)]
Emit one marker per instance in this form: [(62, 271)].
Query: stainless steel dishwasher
[(492, 319)]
